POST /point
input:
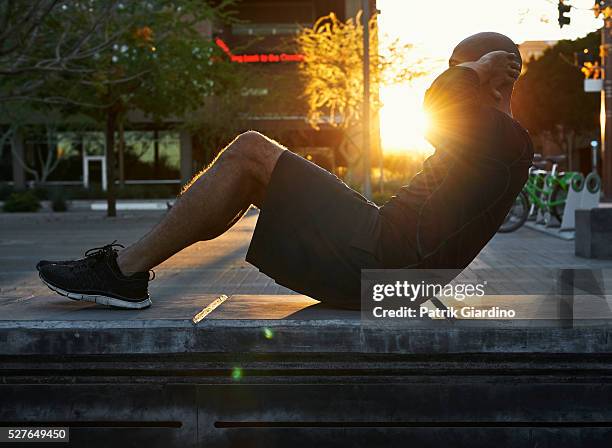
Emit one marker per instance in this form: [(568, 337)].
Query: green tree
[(42, 41), (549, 98), (216, 124), (161, 62)]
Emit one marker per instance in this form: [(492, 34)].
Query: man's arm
[(452, 105), (453, 102), (453, 94)]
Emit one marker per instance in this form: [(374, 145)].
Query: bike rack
[(584, 193), (581, 196)]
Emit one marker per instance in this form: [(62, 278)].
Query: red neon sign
[(262, 57)]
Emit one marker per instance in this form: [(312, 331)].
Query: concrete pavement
[(214, 267), (210, 280)]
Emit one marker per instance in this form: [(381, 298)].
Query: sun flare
[(403, 122)]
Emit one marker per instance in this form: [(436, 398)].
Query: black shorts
[(314, 234)]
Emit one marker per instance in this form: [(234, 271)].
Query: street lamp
[(367, 184)]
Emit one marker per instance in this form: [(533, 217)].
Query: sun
[(403, 123)]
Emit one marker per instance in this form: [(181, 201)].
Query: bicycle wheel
[(517, 215), (558, 195)]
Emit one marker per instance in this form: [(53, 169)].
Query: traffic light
[(588, 63), (602, 7), (563, 8), (584, 56)]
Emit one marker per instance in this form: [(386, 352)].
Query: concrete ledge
[(297, 337), (266, 371), (276, 325), (594, 233)]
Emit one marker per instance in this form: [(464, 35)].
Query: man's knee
[(252, 145), (255, 152)]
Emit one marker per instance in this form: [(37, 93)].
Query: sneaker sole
[(100, 299)]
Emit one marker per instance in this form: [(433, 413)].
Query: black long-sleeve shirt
[(453, 207)]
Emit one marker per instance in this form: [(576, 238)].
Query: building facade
[(533, 49), (154, 154)]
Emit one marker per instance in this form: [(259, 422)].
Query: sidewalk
[(214, 267)]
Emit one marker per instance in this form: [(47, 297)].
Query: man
[(314, 234)]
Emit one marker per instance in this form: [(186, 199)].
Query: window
[(152, 155)]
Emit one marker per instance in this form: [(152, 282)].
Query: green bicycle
[(546, 191)]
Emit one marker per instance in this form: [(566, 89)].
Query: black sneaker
[(42, 263), (97, 278)]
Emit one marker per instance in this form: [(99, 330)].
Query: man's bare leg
[(213, 201)]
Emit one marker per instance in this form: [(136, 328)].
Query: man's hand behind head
[(496, 70)]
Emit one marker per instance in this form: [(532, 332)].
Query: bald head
[(474, 47)]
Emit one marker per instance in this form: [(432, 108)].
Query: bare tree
[(43, 40), (5, 138)]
